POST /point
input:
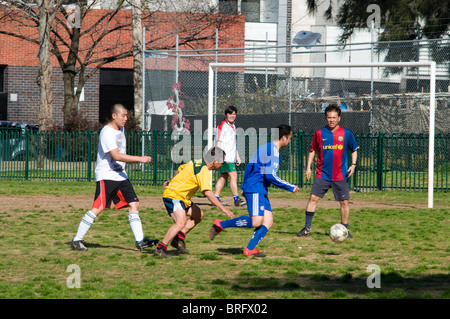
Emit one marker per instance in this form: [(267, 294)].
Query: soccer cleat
[(215, 229), (146, 242), (180, 245), (349, 235), (161, 253), (239, 202), (304, 232), (254, 252), (78, 245)]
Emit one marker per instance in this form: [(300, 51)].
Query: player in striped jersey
[(260, 173), (332, 144)]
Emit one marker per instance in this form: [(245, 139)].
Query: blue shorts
[(173, 204), (257, 203)]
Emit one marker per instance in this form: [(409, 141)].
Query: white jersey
[(107, 168), (226, 134)]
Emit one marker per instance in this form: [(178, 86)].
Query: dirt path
[(29, 202)]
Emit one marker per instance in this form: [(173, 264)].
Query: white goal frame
[(428, 64)]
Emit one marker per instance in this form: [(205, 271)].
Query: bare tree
[(45, 71), (138, 59), (102, 33)]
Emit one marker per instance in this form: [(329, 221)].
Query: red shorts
[(120, 192)]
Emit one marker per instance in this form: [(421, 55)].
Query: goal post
[(427, 64)]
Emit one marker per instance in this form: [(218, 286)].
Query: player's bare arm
[(213, 199), (117, 156), (309, 164), (352, 167)]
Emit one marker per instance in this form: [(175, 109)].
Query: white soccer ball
[(338, 233)]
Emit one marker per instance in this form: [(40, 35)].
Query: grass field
[(409, 244)]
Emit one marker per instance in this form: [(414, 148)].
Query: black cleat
[(304, 232), (146, 243), (78, 245)]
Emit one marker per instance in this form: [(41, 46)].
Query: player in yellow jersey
[(177, 198)]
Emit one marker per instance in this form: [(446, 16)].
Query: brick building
[(19, 68)]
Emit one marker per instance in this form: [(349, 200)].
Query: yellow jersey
[(191, 176)]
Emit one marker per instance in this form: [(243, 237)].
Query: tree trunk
[(45, 71), (137, 58)]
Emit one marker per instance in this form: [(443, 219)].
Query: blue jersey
[(262, 170)]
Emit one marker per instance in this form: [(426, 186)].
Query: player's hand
[(351, 170), (166, 183), (308, 174), (228, 212), (296, 189), (146, 159)]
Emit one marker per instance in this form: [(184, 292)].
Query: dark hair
[(230, 109), (283, 130), (215, 154), (333, 108)]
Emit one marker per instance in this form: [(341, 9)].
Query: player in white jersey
[(226, 140), (112, 180)]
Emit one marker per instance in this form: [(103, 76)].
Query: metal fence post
[(380, 161), (89, 166), (27, 153), (155, 156), (300, 158)]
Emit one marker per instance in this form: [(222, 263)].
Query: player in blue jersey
[(260, 173), (331, 143)]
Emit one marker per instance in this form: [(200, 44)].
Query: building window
[(2, 78), (229, 6), (254, 10)]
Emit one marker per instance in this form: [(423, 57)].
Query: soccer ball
[(338, 233)]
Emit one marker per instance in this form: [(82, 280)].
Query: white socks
[(89, 217), (136, 225), (85, 224)]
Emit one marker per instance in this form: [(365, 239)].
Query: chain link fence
[(374, 100)]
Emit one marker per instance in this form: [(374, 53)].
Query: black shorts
[(120, 192), (340, 188)]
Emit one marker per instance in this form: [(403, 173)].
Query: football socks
[(258, 235), (136, 225), (240, 222), (85, 224), (308, 219)]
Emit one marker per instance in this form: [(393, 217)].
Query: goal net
[(414, 111)]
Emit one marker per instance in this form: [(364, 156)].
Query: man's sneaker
[(254, 252), (239, 202), (304, 232), (146, 242), (180, 245), (160, 252), (215, 229), (349, 235), (78, 245)]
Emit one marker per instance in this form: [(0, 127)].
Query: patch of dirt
[(30, 202)]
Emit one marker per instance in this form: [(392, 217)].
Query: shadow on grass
[(393, 286), (94, 245)]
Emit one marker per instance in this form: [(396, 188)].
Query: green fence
[(384, 161)]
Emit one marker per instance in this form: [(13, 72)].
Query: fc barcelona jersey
[(332, 149)]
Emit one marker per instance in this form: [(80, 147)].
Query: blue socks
[(258, 235), (246, 221), (240, 222)]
